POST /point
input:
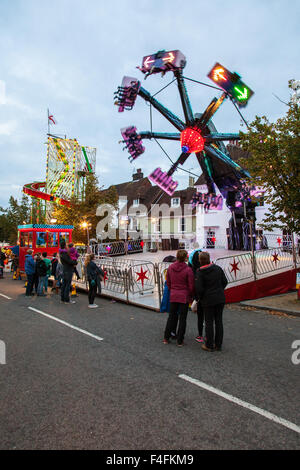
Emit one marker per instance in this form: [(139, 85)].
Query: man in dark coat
[(210, 283)]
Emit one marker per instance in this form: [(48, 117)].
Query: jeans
[(181, 310), (92, 292), (66, 286), (200, 317), (214, 325), (43, 280), (29, 287)]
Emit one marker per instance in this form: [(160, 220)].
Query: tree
[(274, 165), (85, 210), (16, 214)]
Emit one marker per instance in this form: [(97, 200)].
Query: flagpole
[(48, 121)]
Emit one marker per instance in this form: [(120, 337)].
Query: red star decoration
[(105, 277), (142, 276), (275, 257), (213, 239), (279, 241), (235, 266)]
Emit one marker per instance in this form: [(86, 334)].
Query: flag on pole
[(51, 119)]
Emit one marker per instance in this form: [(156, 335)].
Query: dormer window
[(175, 202)]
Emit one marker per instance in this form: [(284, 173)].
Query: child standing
[(74, 255), (92, 271)]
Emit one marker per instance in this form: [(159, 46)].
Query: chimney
[(138, 175)]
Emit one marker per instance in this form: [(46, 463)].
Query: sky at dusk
[(70, 57)]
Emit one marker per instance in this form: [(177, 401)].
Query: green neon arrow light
[(243, 95)]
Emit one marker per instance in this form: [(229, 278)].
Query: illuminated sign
[(163, 61), (231, 83), (241, 93), (222, 77)]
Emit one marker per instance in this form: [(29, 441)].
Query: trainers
[(199, 339), (165, 341), (93, 305), (180, 344), (205, 348)]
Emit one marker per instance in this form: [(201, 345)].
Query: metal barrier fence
[(238, 267), (117, 248), (126, 278), (268, 261)]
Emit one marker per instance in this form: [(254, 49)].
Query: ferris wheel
[(197, 134)]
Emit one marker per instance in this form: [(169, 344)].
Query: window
[(64, 236), (157, 226), (175, 202), (26, 239), (182, 224), (136, 202), (41, 239), (52, 239)]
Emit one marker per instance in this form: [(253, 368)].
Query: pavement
[(285, 303)]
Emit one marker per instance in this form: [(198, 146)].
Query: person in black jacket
[(41, 270), (194, 263), (210, 282), (68, 270), (93, 274), (54, 263)]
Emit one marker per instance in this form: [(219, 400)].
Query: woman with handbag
[(92, 272)]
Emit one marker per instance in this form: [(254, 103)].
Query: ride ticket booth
[(41, 238)]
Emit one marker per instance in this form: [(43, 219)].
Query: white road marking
[(6, 297), (67, 324), (242, 403)]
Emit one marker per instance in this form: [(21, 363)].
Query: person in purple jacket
[(180, 281)]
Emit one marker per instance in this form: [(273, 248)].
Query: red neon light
[(191, 140)]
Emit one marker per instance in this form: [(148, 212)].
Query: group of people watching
[(202, 282), (62, 267)]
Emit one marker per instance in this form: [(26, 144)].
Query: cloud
[(8, 128)]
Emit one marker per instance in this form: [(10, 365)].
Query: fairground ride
[(197, 134), (68, 164)]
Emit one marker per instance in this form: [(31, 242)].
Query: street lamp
[(87, 226)]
